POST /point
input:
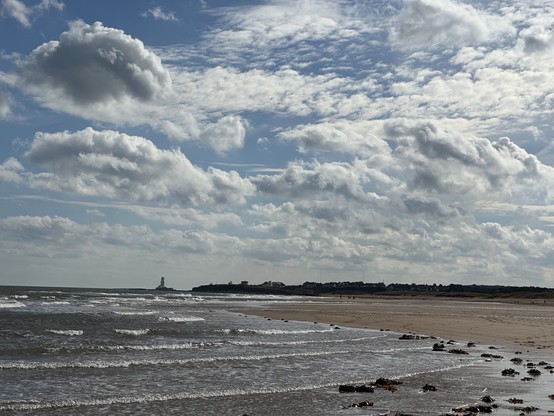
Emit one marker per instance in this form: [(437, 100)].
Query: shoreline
[(520, 326), (511, 330)]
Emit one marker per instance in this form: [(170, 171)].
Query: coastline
[(508, 328), (525, 325)]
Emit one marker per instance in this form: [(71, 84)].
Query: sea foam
[(68, 332), (180, 318), (132, 332), (7, 304)]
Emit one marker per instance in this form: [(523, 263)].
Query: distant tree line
[(319, 288)]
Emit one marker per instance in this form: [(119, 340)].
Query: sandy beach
[(522, 325), (511, 326)]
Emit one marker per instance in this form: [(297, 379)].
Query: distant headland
[(363, 288)]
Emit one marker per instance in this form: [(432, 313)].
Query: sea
[(137, 352)]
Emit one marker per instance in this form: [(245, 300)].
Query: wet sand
[(513, 327), (526, 325)]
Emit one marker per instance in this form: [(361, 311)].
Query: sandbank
[(520, 324)]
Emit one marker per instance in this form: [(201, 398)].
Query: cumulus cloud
[(385, 189), (40, 228), (302, 180), (422, 190), (536, 39), (284, 91), (221, 135), (316, 219), (10, 171), (423, 24), (17, 10), (113, 164), (224, 135), (429, 206), (349, 235), (474, 252), (339, 136), (451, 163), (428, 173), (160, 14), (93, 65), (189, 217)]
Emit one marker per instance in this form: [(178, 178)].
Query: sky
[(406, 141)]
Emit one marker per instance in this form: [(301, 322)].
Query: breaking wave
[(134, 313), (305, 342), (132, 332), (180, 318), (184, 361), (68, 332), (150, 398), (273, 331), (6, 304)]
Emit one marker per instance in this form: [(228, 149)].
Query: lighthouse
[(162, 286)]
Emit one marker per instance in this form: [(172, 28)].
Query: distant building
[(162, 286), (272, 284)]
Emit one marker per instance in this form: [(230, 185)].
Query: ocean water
[(105, 352)]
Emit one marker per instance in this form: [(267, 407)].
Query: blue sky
[(214, 141)]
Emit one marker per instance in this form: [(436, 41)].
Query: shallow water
[(91, 352)]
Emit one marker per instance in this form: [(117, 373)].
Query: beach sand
[(522, 325)]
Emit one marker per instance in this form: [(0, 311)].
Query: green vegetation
[(393, 289)]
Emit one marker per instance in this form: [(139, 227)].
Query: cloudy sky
[(291, 140)]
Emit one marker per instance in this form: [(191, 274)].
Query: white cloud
[(224, 135), (40, 236), (44, 5), (279, 23), (424, 24), (95, 212), (100, 73), (475, 252), (410, 152), (5, 110), (294, 33), (113, 164), (284, 91), (413, 156), (303, 180), (446, 162), (536, 39), (93, 65), (350, 236), (160, 14), (339, 136), (187, 217), (17, 10), (10, 171)]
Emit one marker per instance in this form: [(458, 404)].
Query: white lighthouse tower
[(161, 286)]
